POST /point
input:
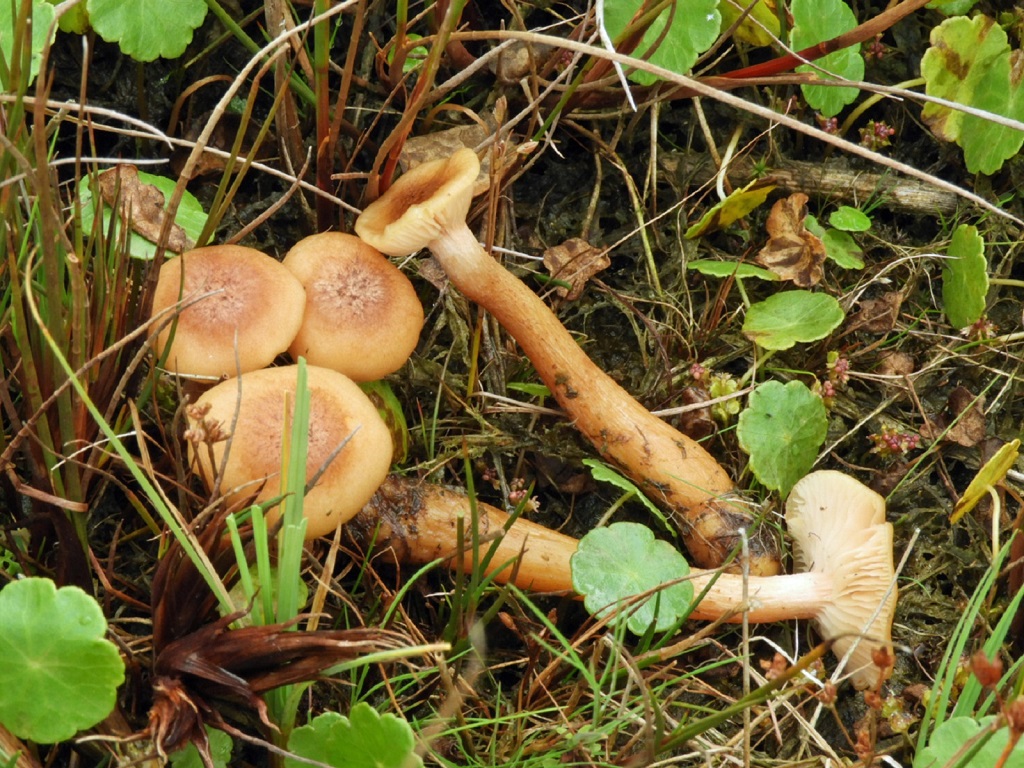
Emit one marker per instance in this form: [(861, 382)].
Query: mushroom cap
[(430, 199), (340, 416), (255, 299), (838, 527), (362, 316)]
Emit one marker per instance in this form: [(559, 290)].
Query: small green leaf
[(59, 673), (782, 429), (220, 751), (615, 563), (843, 249), (970, 62), (965, 277), (147, 29), (694, 29), (602, 473), (739, 269), (956, 736), (757, 27), (850, 219), (529, 388), (815, 21), (782, 320), (736, 205), (43, 15), (364, 739)]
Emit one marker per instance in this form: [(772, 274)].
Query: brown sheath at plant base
[(427, 207)]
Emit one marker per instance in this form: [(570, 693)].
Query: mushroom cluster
[(334, 300)]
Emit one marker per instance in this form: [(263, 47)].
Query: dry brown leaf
[(792, 252), (575, 261), (878, 315), (140, 205), (968, 414)]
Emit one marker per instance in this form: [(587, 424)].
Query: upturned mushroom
[(362, 316), (237, 301), (843, 551), (348, 441), (427, 207)]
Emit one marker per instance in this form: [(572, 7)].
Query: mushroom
[(341, 417), (362, 316), (236, 300), (427, 206), (841, 542)]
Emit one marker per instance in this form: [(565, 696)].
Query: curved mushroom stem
[(671, 468), (418, 523), (427, 207)]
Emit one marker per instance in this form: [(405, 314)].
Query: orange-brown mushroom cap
[(362, 316), (838, 527), (234, 297), (341, 417)]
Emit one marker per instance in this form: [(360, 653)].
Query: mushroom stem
[(419, 522), (671, 468), (847, 592)]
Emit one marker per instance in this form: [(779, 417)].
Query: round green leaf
[(147, 29), (694, 29), (850, 219), (782, 320), (843, 249), (59, 674), (615, 563), (954, 735), (782, 429), (965, 277), (815, 21), (364, 739)]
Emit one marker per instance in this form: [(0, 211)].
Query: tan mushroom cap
[(340, 415), (362, 316), (253, 298), (430, 199), (838, 528)]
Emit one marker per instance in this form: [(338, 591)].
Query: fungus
[(427, 207), (841, 542), (234, 299), (341, 417), (362, 315)]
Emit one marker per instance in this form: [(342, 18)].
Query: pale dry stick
[(729, 99)]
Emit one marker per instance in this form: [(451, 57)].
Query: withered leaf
[(964, 416), (140, 206), (792, 252), (575, 261), (878, 315)]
